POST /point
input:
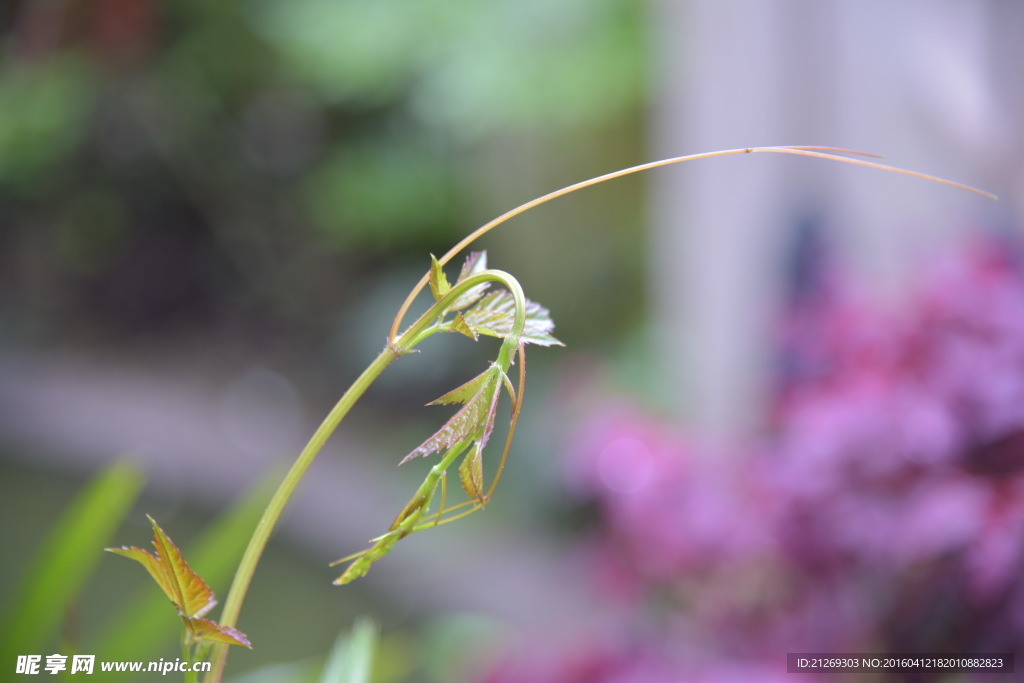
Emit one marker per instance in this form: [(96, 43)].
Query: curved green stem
[(422, 328), (426, 325), (258, 541)]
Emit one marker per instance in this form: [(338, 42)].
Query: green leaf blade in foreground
[(66, 559), (351, 659)]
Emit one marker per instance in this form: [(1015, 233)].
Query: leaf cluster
[(468, 308), (494, 313), (479, 312)]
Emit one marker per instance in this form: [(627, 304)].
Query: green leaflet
[(438, 282), (439, 286)]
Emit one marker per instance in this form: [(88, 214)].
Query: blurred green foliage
[(245, 165), (63, 562), (467, 68), (171, 163), (43, 112)]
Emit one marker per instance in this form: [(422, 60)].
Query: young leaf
[(471, 474), (212, 632), (438, 282), (475, 263), (495, 314), (460, 325), (183, 587), (465, 392), (140, 626), (475, 420)]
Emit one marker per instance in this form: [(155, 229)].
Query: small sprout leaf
[(204, 630), (187, 592), (471, 473), (462, 327), (438, 282), (466, 392)]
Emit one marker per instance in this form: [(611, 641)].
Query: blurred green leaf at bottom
[(351, 659), (65, 560)]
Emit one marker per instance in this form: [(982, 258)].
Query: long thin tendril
[(831, 153)]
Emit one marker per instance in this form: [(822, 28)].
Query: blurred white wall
[(935, 85)]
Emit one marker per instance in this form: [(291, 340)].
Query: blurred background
[(210, 212)]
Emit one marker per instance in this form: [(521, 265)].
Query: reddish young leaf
[(183, 587), (475, 420), (464, 393), (471, 474), (475, 263), (212, 632)]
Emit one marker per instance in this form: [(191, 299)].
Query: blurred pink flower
[(884, 510)]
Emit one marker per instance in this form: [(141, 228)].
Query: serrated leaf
[(471, 473), (189, 594), (140, 625), (494, 315), (212, 632), (475, 420), (465, 392), (438, 282), (182, 586), (475, 263), (460, 325)]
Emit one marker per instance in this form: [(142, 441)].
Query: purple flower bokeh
[(883, 512)]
